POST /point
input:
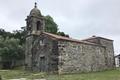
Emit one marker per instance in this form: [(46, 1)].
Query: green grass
[(104, 75), (16, 74)]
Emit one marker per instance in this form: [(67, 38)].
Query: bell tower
[(35, 21), (35, 26)]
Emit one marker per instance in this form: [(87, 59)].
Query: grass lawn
[(104, 75)]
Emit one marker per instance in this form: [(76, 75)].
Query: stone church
[(46, 52)]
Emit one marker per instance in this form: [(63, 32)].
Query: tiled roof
[(68, 39)]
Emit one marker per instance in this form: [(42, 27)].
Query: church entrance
[(42, 64)]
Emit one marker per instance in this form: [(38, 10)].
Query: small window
[(42, 57), (38, 25), (41, 42)]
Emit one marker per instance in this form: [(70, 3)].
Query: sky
[(78, 18)]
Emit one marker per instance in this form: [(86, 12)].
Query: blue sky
[(78, 18)]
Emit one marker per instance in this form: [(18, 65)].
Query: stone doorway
[(42, 64)]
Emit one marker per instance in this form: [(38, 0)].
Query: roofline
[(72, 40), (58, 37), (96, 38), (106, 38)]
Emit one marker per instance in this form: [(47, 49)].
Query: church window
[(38, 25), (41, 43)]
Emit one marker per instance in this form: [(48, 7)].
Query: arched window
[(38, 25)]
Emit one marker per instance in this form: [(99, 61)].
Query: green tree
[(17, 34), (10, 51), (20, 34), (62, 34), (50, 25), (5, 34)]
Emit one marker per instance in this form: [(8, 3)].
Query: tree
[(17, 34), (10, 51), (62, 34), (52, 27), (5, 34), (20, 34)]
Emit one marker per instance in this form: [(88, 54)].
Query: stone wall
[(79, 57), (109, 52), (41, 53), (109, 56), (28, 53), (48, 54)]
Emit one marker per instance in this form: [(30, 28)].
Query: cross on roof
[(35, 5)]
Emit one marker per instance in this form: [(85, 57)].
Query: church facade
[(46, 52)]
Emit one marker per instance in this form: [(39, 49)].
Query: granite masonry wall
[(109, 52), (80, 57), (109, 55), (48, 54), (41, 54)]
